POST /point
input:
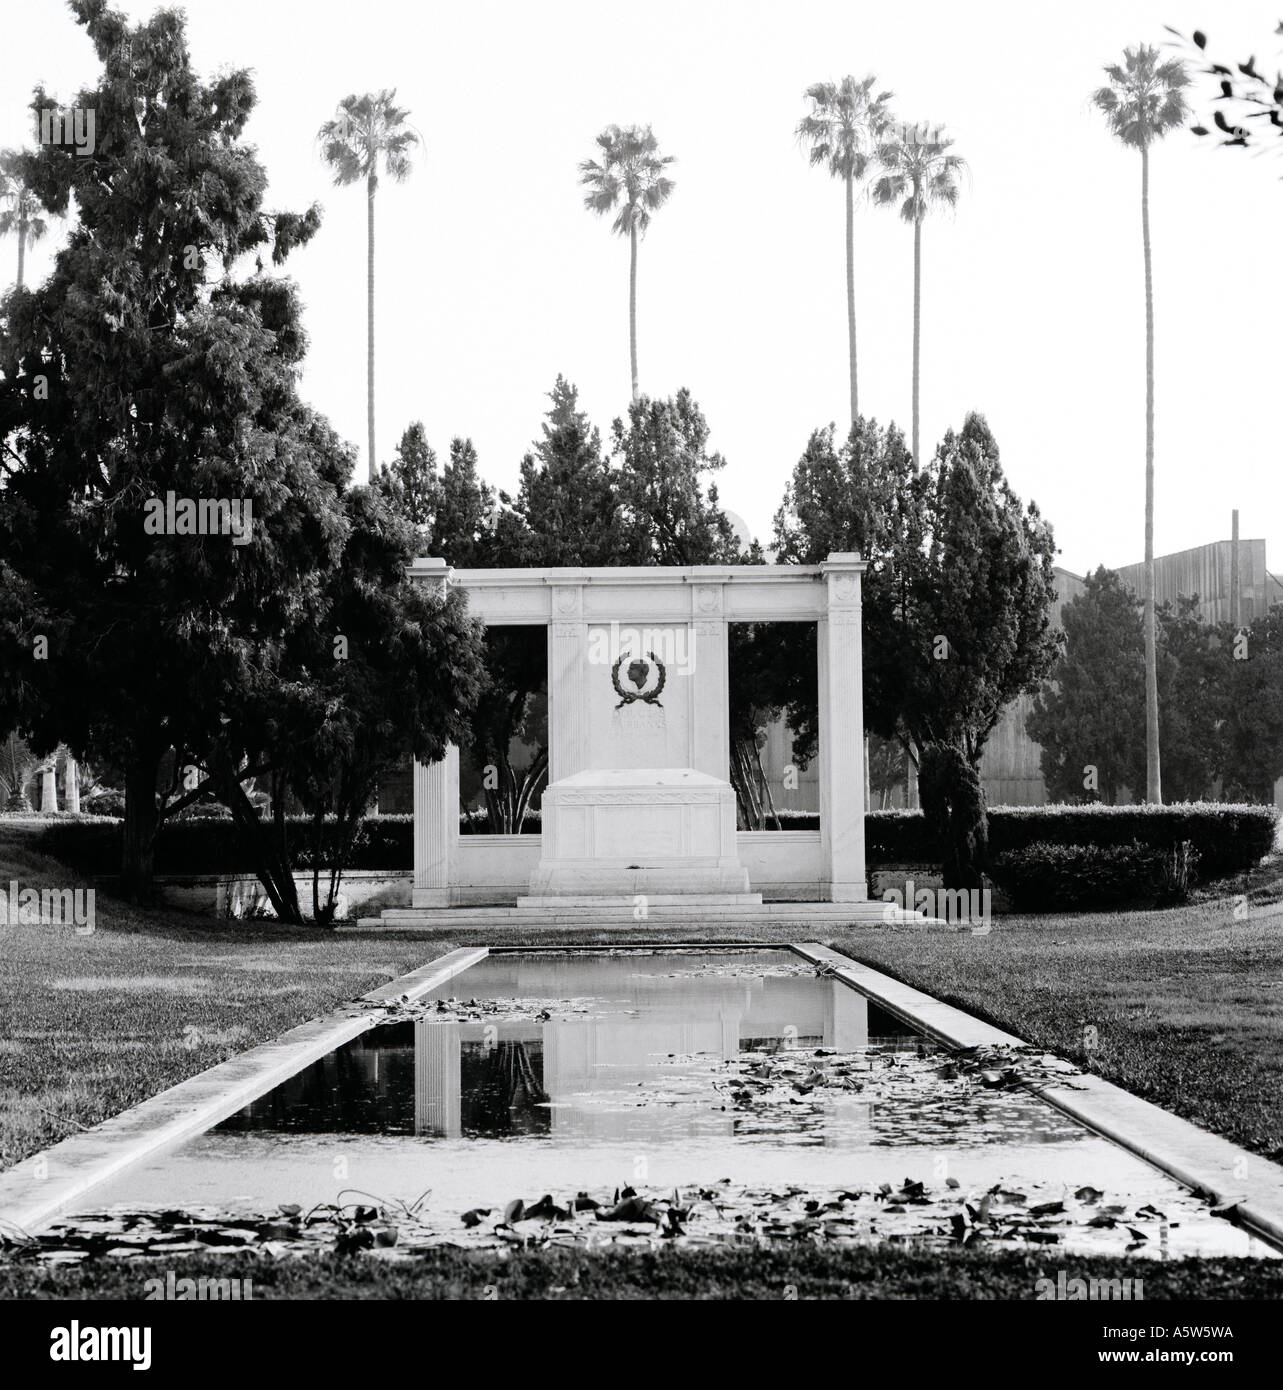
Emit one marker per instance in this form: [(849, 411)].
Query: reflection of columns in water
[(437, 1080), (846, 1018)]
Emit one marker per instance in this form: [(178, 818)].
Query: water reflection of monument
[(520, 1078)]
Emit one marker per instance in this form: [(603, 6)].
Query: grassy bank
[(803, 1272), (90, 1025)]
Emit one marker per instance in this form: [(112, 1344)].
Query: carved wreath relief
[(646, 676)]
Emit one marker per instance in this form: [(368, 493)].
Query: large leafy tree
[(144, 366), (20, 211), (920, 173), (369, 133), (392, 671), (1087, 716), (842, 132), (867, 495), (474, 527), (956, 604), (1143, 101), (629, 178)]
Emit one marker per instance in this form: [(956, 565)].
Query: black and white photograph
[(641, 661)]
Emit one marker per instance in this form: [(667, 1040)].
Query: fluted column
[(436, 794), (436, 829), (841, 682), (71, 774), (49, 787), (709, 692), (567, 683)]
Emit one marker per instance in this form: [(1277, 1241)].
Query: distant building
[(1206, 571)]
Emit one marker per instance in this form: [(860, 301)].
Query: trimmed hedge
[(1075, 878), (1226, 838), (207, 845)]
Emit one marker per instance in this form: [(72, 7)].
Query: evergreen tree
[(1089, 717), (411, 485), (567, 496)]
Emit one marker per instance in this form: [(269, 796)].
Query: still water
[(565, 1073)]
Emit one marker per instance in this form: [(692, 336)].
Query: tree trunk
[(917, 328), (142, 821), (632, 305), (369, 375), (1153, 775), (850, 294), (22, 247)]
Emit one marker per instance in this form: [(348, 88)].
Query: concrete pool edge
[(1202, 1161), (34, 1191)]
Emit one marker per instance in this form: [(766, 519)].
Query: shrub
[(1225, 838), (1045, 877), (108, 802)]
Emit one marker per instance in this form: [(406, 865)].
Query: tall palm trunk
[(22, 247), (850, 293), (1153, 775), (917, 326), (369, 379), (632, 303)]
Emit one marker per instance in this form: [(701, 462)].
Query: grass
[(1182, 1006), (1186, 1006), (90, 1025), (802, 1272)]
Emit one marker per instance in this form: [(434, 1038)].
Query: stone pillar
[(841, 683), (709, 724), (567, 683), (436, 829), (49, 788), (437, 1086), (436, 794), (72, 775)]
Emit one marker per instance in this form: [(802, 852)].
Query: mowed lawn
[(90, 1025), (1182, 1006)]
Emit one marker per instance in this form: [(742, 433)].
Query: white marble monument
[(639, 800)]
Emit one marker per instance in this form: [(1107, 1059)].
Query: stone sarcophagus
[(662, 832)]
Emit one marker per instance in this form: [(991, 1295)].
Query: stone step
[(621, 918)]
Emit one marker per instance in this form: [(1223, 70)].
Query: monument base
[(654, 831)]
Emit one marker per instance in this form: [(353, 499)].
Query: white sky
[(492, 278)]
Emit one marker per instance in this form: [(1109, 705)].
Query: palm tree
[(1144, 100), (368, 130), (23, 213), (920, 173), (845, 126), (630, 173)]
